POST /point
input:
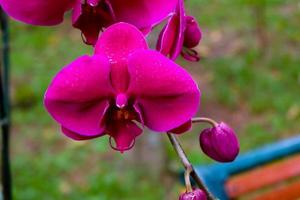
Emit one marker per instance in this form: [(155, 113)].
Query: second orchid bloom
[(122, 85), (90, 16)]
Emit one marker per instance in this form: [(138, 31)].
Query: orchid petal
[(78, 96), (182, 128), (171, 38), (166, 93), (37, 12), (180, 32), (117, 43), (142, 13), (168, 36), (76, 136)]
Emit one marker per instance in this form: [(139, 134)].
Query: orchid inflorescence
[(125, 86)]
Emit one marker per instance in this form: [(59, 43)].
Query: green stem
[(204, 119)]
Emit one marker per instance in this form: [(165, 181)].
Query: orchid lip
[(118, 148)]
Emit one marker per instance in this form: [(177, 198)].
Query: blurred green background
[(249, 76)]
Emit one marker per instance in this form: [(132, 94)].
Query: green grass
[(265, 82)]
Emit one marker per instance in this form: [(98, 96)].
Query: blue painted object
[(214, 176)]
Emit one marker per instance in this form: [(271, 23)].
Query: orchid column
[(125, 87)]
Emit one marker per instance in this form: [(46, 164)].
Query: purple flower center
[(117, 120), (125, 114)]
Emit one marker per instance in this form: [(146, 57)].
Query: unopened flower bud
[(220, 143), (192, 34), (196, 194)]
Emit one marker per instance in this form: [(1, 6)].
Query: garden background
[(249, 76)]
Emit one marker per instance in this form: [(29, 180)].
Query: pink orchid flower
[(122, 85), (180, 35), (90, 16)]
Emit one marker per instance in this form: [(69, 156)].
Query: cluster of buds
[(125, 86)]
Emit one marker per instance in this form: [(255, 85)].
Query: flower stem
[(188, 166), (204, 119), (187, 180)]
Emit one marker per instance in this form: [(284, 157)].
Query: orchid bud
[(220, 143), (192, 34), (196, 194)]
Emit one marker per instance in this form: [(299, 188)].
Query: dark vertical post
[(5, 109)]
